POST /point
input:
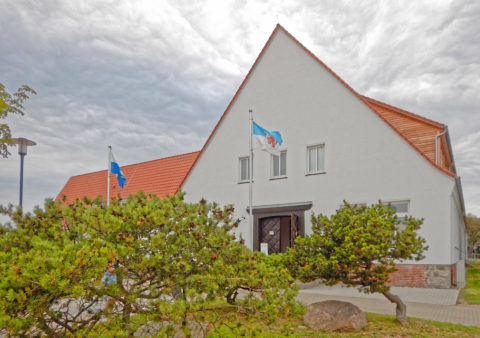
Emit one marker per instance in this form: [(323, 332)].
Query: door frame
[(278, 210)]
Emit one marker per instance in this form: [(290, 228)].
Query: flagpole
[(250, 197), (108, 173)]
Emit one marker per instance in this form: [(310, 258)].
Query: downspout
[(464, 215), (436, 143)]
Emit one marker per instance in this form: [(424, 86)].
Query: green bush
[(174, 262), (358, 246)]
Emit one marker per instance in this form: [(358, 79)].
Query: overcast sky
[(152, 78)]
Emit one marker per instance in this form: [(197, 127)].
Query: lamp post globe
[(22, 143)]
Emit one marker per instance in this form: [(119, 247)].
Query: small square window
[(316, 159), (244, 169), (279, 165), (401, 208)]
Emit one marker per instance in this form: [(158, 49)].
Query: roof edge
[(450, 150), (59, 197), (162, 158), (132, 164), (407, 113)]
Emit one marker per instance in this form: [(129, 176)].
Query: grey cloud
[(152, 78)]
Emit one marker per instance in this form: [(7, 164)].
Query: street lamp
[(23, 143)]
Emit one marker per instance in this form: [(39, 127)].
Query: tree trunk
[(232, 296), (401, 309)]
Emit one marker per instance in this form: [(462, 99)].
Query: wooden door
[(278, 232), (285, 233), (270, 233)]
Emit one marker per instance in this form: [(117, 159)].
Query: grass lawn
[(471, 294), (378, 326)]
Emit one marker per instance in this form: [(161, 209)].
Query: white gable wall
[(365, 160), (458, 235)]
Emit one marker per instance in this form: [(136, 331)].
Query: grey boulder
[(334, 315)]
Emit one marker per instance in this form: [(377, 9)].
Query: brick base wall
[(409, 275), (423, 276)]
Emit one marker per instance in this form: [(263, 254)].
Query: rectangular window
[(400, 207), (244, 169), (279, 165), (316, 159)]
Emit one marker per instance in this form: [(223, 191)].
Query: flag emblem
[(271, 140)]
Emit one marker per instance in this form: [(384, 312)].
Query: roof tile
[(161, 177)]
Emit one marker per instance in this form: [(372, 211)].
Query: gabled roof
[(411, 133), (161, 177)]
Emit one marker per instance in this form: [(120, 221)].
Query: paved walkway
[(430, 304)]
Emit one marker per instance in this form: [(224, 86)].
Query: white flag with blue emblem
[(269, 141)]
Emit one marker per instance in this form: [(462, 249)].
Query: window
[(316, 159), (400, 207), (244, 169), (279, 165)]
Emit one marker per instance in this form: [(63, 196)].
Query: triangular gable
[(368, 103)]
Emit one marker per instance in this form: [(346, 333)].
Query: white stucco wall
[(365, 160), (458, 232)]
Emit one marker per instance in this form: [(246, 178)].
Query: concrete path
[(417, 295), (430, 304)]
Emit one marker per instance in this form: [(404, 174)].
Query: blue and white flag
[(115, 169), (269, 141)]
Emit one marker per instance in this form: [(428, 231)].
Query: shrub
[(174, 263), (358, 246)]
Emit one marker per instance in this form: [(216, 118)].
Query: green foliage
[(358, 246), (379, 326), (175, 263), (471, 292), (10, 104), (473, 229)]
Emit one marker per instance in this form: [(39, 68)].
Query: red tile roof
[(161, 177), (374, 105)]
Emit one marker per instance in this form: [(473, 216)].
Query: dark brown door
[(270, 233), (284, 233), (277, 233)]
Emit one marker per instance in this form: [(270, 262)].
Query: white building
[(338, 145)]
